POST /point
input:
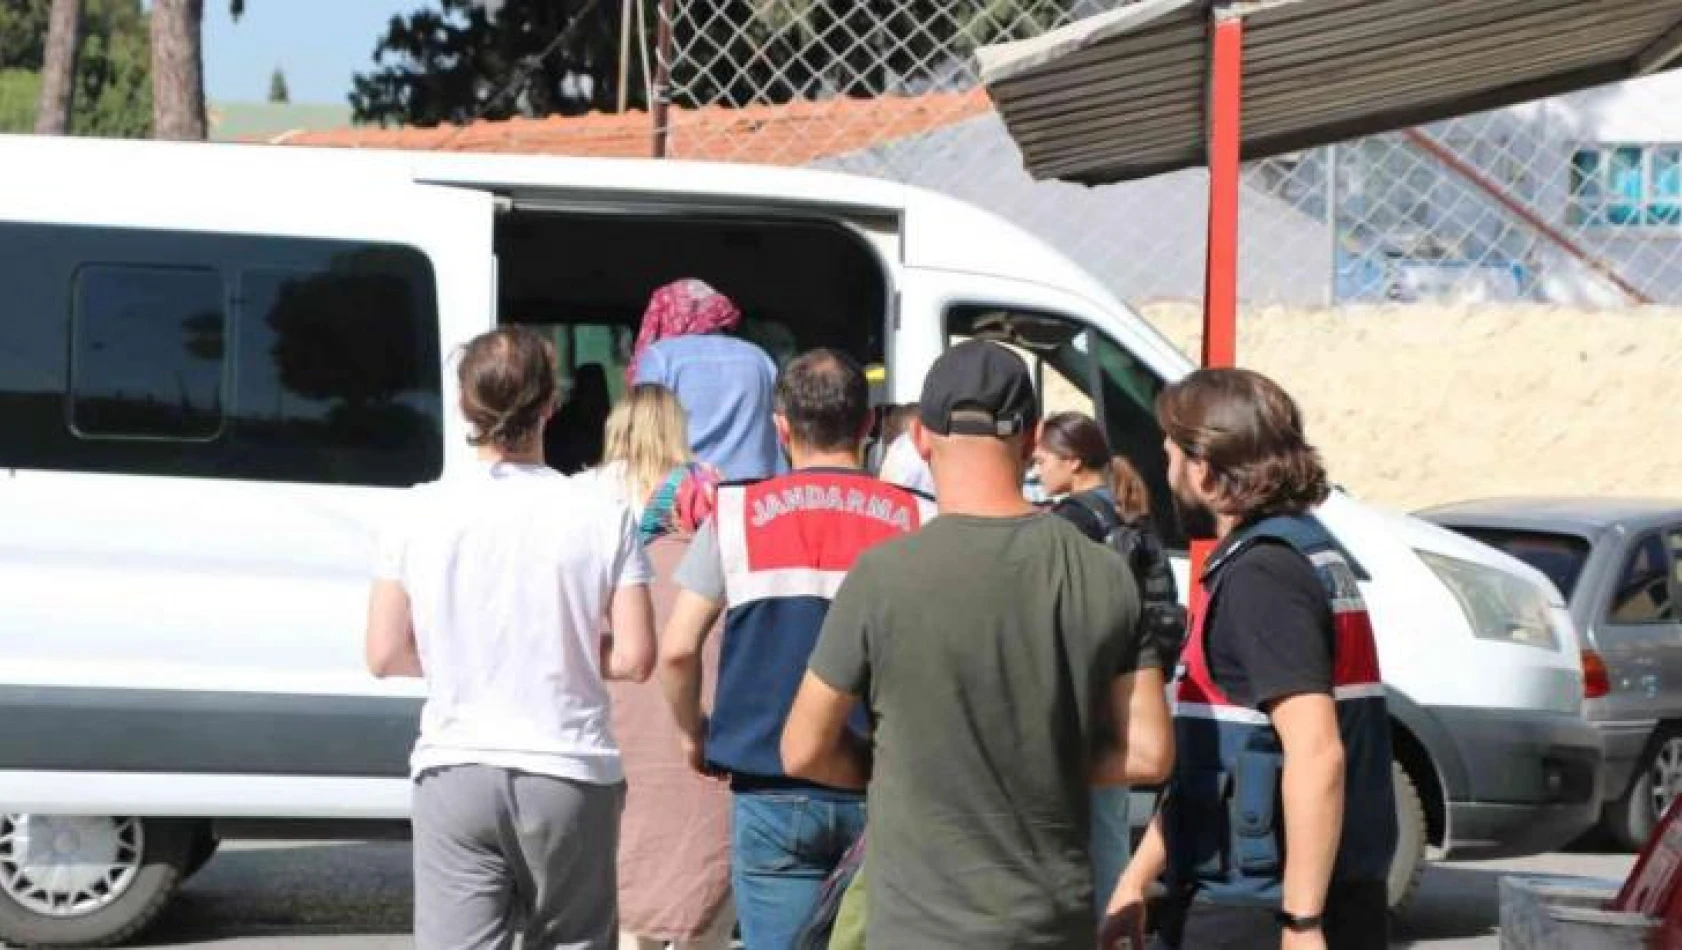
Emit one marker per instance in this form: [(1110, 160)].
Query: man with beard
[(1278, 823)]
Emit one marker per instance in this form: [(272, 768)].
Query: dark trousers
[(1357, 917)]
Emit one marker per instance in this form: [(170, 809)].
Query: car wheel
[(1631, 819), (86, 880), (1412, 839)]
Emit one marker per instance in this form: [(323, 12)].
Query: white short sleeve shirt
[(510, 571), (902, 466)]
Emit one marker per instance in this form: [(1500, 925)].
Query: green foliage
[(113, 68), (114, 72), (23, 33), (439, 64), (442, 63), (20, 92), (277, 87)]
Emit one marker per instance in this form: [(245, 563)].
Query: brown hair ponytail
[(507, 379), (1132, 497)]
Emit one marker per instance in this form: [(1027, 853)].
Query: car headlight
[(1498, 605)]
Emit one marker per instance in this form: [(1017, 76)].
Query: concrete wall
[(1417, 405)]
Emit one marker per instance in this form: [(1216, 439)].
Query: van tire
[(166, 850), (1412, 840)]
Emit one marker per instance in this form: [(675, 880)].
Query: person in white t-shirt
[(900, 464), (496, 587)]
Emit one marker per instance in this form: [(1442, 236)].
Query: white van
[(220, 364)]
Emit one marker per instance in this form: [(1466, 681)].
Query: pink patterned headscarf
[(683, 308)]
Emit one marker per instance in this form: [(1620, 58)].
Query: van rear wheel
[(87, 880), (1412, 840)]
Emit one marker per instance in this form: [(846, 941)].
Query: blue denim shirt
[(725, 385)]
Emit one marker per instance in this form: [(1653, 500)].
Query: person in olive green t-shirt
[(986, 648)]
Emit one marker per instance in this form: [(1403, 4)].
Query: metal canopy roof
[(1122, 95)]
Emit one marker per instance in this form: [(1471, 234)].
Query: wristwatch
[(1299, 925)]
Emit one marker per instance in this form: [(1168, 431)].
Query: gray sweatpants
[(500, 852)]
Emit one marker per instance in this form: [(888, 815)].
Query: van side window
[(248, 357), (1643, 594), (148, 352), (1076, 368)]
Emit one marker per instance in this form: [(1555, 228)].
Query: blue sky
[(319, 44)]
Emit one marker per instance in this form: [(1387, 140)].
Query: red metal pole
[(1226, 105), (1220, 288)]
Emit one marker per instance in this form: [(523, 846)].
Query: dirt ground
[(1417, 405)]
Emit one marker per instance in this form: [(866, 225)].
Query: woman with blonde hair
[(646, 452), (674, 842)]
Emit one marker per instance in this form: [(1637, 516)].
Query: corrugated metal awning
[(1122, 95)]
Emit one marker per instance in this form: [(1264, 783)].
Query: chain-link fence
[(1576, 200)]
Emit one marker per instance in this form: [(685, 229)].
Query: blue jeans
[(1112, 842), (784, 844)]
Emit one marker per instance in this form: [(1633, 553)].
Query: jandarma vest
[(787, 543), (1223, 814)]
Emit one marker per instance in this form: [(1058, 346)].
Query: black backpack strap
[(1105, 514)]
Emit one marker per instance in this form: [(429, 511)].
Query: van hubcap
[(1667, 775), (68, 865)]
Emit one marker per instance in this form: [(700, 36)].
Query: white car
[(220, 364)]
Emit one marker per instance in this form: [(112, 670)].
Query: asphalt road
[(263, 896)]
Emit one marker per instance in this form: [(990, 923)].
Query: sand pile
[(1417, 405)]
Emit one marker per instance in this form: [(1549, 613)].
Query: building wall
[(1417, 405)]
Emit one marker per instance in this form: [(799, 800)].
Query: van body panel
[(198, 640), (669, 184), (1419, 622), (171, 795)]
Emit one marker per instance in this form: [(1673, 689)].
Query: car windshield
[(1560, 556)]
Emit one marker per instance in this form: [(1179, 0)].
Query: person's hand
[(1311, 940), (1124, 920), (695, 753)]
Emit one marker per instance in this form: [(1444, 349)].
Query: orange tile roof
[(797, 133)]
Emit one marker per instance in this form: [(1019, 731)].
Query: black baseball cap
[(979, 388)]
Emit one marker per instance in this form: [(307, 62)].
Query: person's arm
[(1124, 915), (1282, 636), (1139, 709), (390, 647), (1140, 739), (1312, 787), (628, 650), (817, 745)]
